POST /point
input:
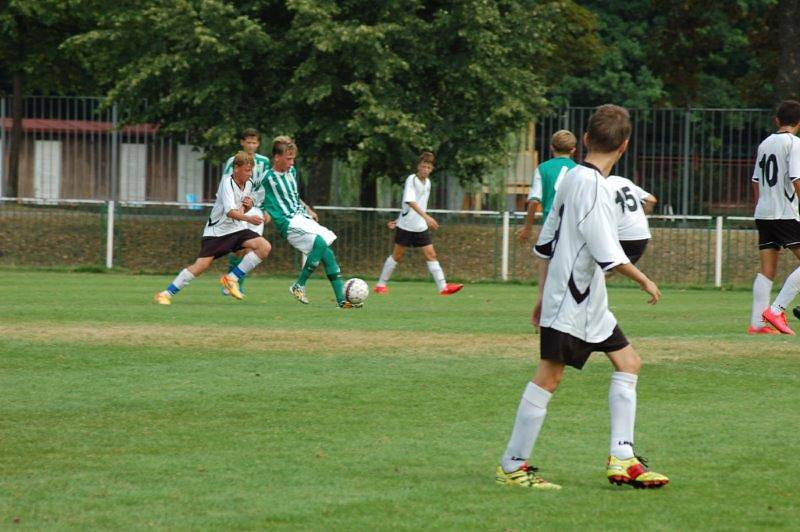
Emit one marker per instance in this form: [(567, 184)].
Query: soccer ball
[(356, 291)]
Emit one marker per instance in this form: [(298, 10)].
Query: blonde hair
[(283, 143), (563, 141), (608, 128), (241, 158), (426, 157)]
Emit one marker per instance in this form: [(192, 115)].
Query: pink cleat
[(777, 320), (451, 288), (381, 289), (762, 330)]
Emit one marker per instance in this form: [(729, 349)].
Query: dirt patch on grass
[(249, 341)]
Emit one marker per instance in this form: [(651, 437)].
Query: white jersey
[(580, 239), (418, 192), (777, 166), (229, 197), (629, 198), (260, 168)]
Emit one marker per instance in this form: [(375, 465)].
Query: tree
[(787, 82), (31, 59), (373, 82)]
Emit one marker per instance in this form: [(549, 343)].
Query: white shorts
[(257, 228), (303, 231)]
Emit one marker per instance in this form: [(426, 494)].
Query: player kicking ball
[(227, 232), (776, 185), (580, 241), (297, 222), (413, 229)]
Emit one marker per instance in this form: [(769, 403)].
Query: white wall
[(190, 172), (47, 169), (132, 171)]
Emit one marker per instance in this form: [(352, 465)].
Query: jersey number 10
[(769, 169)]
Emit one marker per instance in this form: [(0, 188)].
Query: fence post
[(687, 147), (504, 251), (110, 235), (718, 253), (2, 146), (113, 188)]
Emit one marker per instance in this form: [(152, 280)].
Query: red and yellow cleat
[(451, 288), (633, 471), (777, 320), (766, 329), (232, 286), (163, 298), (524, 477), (381, 289)]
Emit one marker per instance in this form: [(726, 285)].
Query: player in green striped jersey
[(250, 140), (297, 222)]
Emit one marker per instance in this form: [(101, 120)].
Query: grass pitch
[(265, 413)]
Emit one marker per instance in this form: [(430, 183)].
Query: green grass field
[(220, 414)]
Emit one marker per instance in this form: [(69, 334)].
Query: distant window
[(47, 169), (132, 171), (190, 172)]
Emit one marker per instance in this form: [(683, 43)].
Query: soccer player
[(776, 184), (227, 231), (412, 228), (580, 241), (250, 140), (297, 222), (634, 202), (547, 177)]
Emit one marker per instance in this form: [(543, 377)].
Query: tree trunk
[(369, 190), (16, 136), (318, 189), (787, 83)]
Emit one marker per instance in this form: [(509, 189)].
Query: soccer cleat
[(299, 293), (379, 289), (451, 288), (766, 329), (347, 305), (777, 320), (633, 471), (163, 298), (232, 286), (524, 477)]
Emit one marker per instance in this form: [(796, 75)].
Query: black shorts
[(564, 348), (634, 249), (775, 234), (219, 246), (412, 239)]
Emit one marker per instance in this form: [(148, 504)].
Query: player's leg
[(776, 314), (623, 466), (186, 276), (334, 273), (762, 287), (234, 259), (312, 260), (437, 273), (514, 468), (389, 265), (256, 250)]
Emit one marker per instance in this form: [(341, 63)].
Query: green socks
[(312, 261), (334, 274)]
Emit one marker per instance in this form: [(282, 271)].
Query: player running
[(580, 241), (226, 232), (412, 229), (776, 184), (297, 222), (634, 203), (250, 140)]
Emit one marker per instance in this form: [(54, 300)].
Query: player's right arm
[(534, 199), (230, 206)]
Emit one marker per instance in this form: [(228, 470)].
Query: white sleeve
[(599, 229), (794, 159), (536, 186), (225, 193), (641, 193), (756, 175), (544, 244), (409, 193)]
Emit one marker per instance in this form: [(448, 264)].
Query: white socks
[(250, 261), (183, 278), (622, 403), (530, 416), (762, 287), (386, 272), (790, 289), (437, 273)]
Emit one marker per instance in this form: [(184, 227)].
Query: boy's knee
[(631, 363)]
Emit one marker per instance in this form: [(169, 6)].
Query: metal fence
[(696, 161), (472, 245)]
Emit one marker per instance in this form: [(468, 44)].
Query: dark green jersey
[(281, 199)]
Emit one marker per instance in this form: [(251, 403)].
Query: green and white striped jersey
[(281, 199), (259, 171)]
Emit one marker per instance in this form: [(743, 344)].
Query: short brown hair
[(242, 158), (282, 144), (609, 126), (426, 157), (563, 141), (788, 113), (250, 132)]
